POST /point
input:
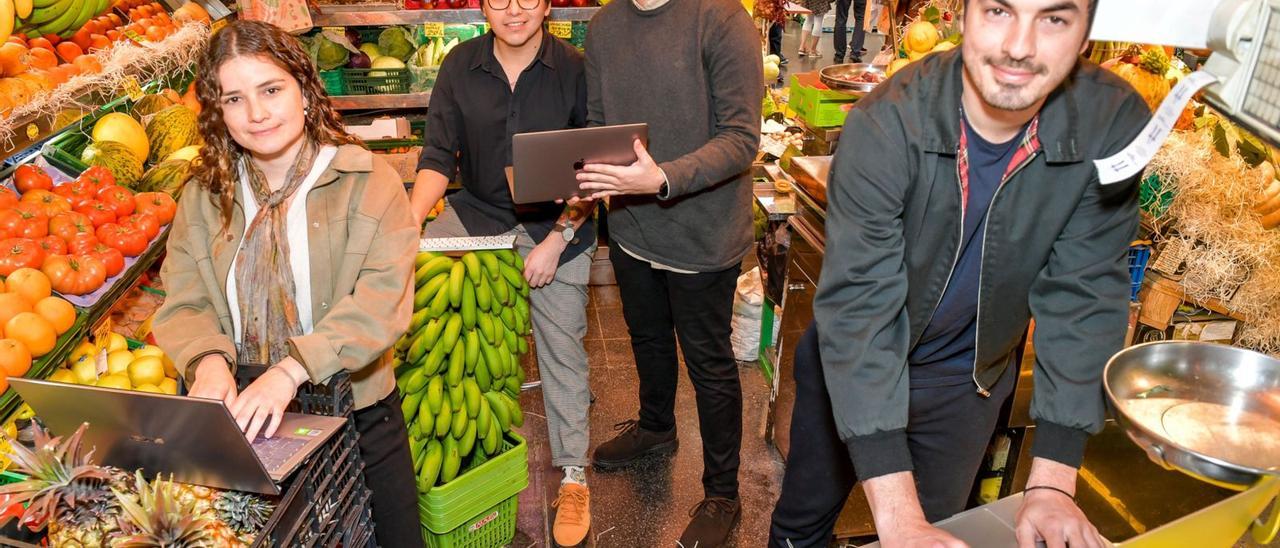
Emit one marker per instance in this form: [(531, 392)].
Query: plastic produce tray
[(375, 81), (478, 508)]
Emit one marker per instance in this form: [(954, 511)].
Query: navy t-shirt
[(946, 351)]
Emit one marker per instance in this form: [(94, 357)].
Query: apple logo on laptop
[(577, 166)]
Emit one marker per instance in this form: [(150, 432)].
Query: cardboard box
[(382, 128), (405, 163), (815, 103)]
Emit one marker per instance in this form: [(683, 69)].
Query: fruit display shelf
[(382, 102), (413, 17)]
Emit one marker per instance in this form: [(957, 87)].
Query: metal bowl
[(837, 77), (1209, 410)]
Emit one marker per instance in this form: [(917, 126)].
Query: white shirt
[(296, 229)]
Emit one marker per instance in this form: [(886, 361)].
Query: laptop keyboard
[(274, 452)]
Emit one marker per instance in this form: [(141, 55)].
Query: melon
[(121, 128), (117, 158), (171, 129), (187, 153), (149, 105), (167, 176)]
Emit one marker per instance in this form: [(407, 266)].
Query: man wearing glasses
[(518, 79)]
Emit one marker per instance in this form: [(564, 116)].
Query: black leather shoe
[(631, 443), (713, 520)]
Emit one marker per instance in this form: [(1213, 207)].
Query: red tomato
[(111, 257), (28, 177), (119, 198), (23, 221), (53, 245), (99, 213), (159, 204), (145, 223), (7, 197), (78, 192), (68, 225), (18, 253), (129, 241), (74, 275), (99, 176), (46, 201), (82, 244)]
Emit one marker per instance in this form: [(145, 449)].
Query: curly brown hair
[(216, 169)]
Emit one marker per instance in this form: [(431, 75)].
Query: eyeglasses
[(499, 5)]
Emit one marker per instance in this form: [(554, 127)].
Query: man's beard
[(1006, 97)]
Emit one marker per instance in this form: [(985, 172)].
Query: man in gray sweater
[(679, 219)]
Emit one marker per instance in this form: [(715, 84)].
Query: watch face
[(568, 234)]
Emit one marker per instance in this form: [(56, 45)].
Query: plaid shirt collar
[(1027, 150)]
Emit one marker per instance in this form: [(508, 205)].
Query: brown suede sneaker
[(713, 519), (573, 515), (631, 443)]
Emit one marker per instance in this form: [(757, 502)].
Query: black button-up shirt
[(472, 117)]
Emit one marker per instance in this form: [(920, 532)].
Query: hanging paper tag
[(132, 89), (560, 29), (433, 30), (1138, 154), (102, 334)]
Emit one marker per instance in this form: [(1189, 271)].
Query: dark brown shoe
[(713, 520), (631, 443)]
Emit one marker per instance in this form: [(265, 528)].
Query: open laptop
[(545, 164), (987, 526), (195, 440)]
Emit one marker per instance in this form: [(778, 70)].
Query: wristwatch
[(566, 231)]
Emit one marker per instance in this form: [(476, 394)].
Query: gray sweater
[(692, 70)]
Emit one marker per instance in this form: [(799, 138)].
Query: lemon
[(146, 370), (117, 381), (896, 66), (25, 412), (149, 388), (920, 37), (148, 350), (118, 361), (944, 46), (169, 386), (63, 375), (85, 349), (116, 342), (85, 371)]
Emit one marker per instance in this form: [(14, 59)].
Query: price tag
[(32, 132), (130, 34), (560, 29), (132, 89), (101, 338), (339, 30), (217, 25), (433, 30)]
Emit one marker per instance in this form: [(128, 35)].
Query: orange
[(42, 59), (13, 59), (12, 304), (58, 311), (40, 43), (113, 35), (115, 19), (33, 331), (155, 34), (4, 384), (30, 283), (15, 359), (98, 42), (88, 64), (69, 51)]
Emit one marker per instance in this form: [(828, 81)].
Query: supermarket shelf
[(379, 102), (413, 17)]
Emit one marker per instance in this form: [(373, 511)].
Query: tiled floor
[(647, 505)]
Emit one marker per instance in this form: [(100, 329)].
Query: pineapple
[(156, 517), (246, 514), (68, 494)]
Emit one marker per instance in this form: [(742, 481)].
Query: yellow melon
[(122, 128), (920, 37)]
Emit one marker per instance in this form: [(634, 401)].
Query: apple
[(559, 3)]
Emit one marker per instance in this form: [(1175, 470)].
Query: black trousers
[(775, 38), (842, 20), (949, 428), (660, 306), (388, 471)]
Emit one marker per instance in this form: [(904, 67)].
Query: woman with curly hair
[(293, 247)]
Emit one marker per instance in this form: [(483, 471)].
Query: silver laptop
[(987, 526), (195, 440), (545, 164)]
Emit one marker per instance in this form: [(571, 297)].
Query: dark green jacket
[(1055, 250)]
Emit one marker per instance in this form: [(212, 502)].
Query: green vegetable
[(396, 42), (328, 54)]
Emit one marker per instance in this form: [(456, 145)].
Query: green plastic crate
[(452, 510), (375, 81), (492, 528), (333, 82)]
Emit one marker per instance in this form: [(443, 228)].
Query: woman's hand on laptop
[(214, 380), (260, 408)]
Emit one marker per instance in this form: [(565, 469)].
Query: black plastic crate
[(333, 399)]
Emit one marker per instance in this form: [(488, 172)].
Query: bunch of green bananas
[(44, 17), (458, 367)]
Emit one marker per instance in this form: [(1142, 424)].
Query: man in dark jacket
[(963, 201)]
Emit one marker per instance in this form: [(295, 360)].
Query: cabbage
[(395, 42), (328, 54)]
